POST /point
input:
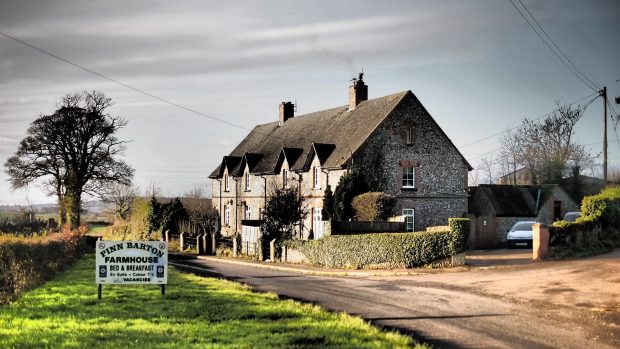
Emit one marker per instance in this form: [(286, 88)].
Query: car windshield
[(571, 217), (522, 226)]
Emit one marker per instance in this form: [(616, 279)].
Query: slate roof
[(333, 134), (509, 200)]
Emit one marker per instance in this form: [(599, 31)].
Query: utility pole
[(604, 94)]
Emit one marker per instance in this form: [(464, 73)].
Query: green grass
[(197, 312), (97, 229)]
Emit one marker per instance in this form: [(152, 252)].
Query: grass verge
[(197, 312)]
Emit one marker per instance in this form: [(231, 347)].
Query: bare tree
[(122, 197), (487, 165), (201, 213), (547, 147), (73, 151)]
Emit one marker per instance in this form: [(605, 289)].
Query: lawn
[(197, 312), (97, 229)]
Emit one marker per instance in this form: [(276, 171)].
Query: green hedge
[(373, 206), (385, 250), (596, 231), (27, 262)]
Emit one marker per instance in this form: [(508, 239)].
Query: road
[(440, 314)]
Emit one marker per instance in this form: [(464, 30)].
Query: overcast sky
[(476, 66)]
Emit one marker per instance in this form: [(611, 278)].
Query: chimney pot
[(358, 92), (287, 111)]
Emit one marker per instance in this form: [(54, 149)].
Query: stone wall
[(440, 171)]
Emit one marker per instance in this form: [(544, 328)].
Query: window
[(317, 223), (261, 213), (247, 181), (226, 182), (408, 177), (227, 215), (285, 182), (409, 214), (409, 137), (317, 178), (248, 212)]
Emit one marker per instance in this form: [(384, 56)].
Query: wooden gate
[(486, 234)]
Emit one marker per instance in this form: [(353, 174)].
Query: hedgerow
[(596, 231), (385, 250), (27, 262)]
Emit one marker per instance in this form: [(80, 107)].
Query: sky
[(476, 66)]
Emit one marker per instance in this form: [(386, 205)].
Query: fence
[(201, 244), (360, 227), (250, 234)]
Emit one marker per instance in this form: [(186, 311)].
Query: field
[(197, 312)]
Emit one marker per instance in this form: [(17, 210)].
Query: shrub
[(384, 250), (373, 206), (459, 227), (27, 262), (596, 231), (349, 186)]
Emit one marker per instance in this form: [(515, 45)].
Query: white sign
[(132, 262)]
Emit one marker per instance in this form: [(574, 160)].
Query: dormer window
[(226, 182), (317, 178), (247, 182), (285, 182), (409, 135)]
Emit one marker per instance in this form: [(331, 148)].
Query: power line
[(557, 47), (496, 149), (512, 128), (123, 84), (568, 64)]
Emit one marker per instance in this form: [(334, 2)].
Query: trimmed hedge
[(28, 262), (373, 206), (385, 250), (596, 231)]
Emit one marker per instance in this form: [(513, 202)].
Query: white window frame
[(226, 182), (317, 222), (285, 182), (409, 219), (408, 177), (317, 177), (248, 185), (226, 214), (248, 212), (261, 213)]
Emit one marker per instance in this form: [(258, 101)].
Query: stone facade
[(392, 140), (440, 189)]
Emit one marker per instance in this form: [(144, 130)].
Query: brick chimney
[(358, 92), (287, 111)]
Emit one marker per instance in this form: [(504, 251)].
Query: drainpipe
[(265, 193), (220, 211), (236, 202), (301, 222)]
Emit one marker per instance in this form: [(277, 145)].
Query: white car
[(520, 234), (572, 216)]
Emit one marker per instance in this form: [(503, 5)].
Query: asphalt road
[(440, 315)]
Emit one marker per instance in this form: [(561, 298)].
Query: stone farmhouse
[(392, 140)]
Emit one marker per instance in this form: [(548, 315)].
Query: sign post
[(132, 262)]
